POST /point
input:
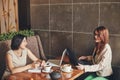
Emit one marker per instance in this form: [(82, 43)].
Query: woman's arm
[(34, 58), (106, 59), (88, 58), (14, 69)]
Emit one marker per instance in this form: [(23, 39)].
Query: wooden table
[(45, 76)]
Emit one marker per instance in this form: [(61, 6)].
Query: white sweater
[(102, 63)]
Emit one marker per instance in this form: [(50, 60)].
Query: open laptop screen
[(56, 62), (72, 57), (74, 60)]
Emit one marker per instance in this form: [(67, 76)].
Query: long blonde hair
[(104, 37)]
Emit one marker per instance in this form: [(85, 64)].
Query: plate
[(67, 71), (47, 71)]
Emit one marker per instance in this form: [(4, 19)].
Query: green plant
[(8, 36)]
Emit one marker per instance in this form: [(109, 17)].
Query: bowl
[(55, 75)]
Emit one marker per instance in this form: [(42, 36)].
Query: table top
[(45, 76)]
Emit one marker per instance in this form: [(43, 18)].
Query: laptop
[(55, 62), (74, 60)]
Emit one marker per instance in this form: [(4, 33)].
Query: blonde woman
[(101, 58)]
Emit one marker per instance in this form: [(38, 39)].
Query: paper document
[(37, 70)]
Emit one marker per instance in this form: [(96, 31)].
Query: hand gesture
[(82, 58), (35, 65), (80, 67), (42, 63)]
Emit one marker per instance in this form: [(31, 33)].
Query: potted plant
[(8, 36)]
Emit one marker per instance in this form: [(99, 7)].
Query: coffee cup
[(47, 68), (68, 75), (66, 68)]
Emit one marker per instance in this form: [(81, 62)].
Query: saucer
[(67, 71), (47, 71)]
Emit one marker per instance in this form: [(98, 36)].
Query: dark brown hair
[(16, 41)]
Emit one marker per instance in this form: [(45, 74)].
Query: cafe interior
[(62, 24)]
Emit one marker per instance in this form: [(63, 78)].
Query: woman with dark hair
[(101, 58), (16, 58)]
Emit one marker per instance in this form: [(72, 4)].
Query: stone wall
[(70, 23)]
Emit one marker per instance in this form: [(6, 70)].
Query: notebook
[(55, 62), (33, 70)]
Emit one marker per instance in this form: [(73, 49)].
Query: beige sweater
[(101, 63)]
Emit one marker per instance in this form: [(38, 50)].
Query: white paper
[(37, 70)]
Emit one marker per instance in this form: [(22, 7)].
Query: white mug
[(66, 68), (47, 68), (68, 75)]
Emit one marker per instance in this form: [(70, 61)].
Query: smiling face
[(97, 37), (23, 43), (101, 35)]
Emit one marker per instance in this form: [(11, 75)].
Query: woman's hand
[(35, 64), (42, 63), (80, 67), (83, 58)]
